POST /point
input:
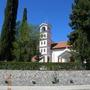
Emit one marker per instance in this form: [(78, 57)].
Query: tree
[(21, 44), (34, 40), (8, 30), (26, 42), (79, 38)]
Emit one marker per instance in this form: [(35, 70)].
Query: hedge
[(39, 66)]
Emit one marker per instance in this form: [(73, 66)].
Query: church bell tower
[(45, 42)]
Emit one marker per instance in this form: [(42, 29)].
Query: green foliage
[(80, 15), (79, 38), (39, 66), (8, 30), (21, 45), (34, 39), (27, 40), (24, 16)]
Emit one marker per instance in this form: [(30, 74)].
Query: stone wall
[(31, 78)]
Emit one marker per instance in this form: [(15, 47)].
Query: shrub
[(39, 66)]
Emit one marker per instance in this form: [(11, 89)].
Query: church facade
[(50, 51)]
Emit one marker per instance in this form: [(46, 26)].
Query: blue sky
[(55, 12)]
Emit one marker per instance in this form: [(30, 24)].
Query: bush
[(39, 66)]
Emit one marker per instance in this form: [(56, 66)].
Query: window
[(41, 43), (44, 43), (43, 29), (44, 50), (41, 50), (41, 35), (44, 35)]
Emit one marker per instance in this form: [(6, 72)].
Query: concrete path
[(77, 87)]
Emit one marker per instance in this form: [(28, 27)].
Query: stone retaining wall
[(47, 78)]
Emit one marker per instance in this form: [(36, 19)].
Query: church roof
[(60, 45)]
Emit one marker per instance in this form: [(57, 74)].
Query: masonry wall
[(28, 78)]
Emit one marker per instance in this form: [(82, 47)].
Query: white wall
[(56, 53), (43, 35), (62, 59), (45, 59), (43, 50), (43, 43)]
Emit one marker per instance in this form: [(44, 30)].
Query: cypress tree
[(27, 39), (8, 30), (24, 16), (22, 40)]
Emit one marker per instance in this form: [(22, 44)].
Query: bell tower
[(45, 42)]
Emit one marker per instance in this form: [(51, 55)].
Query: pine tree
[(79, 38), (8, 30)]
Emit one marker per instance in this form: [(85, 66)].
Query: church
[(50, 51)]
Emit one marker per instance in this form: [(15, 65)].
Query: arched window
[(43, 29)]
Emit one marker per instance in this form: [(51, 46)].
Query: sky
[(54, 12)]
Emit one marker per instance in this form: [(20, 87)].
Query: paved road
[(77, 87)]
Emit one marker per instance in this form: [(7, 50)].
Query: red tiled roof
[(61, 45)]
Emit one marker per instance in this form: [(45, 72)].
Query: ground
[(77, 87)]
